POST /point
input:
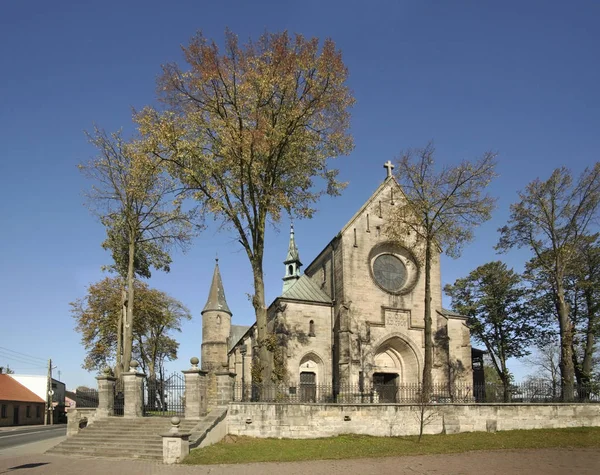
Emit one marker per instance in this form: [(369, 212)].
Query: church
[(352, 318)]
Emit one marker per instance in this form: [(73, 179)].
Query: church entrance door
[(386, 386), (308, 386)]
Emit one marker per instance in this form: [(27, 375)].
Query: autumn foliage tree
[(136, 202), (442, 207), (156, 315), (248, 130)]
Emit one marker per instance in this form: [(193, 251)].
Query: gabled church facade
[(353, 318)]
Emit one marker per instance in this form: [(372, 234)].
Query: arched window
[(291, 269), (311, 328), (218, 319)]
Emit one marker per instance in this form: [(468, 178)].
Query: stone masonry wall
[(325, 420)]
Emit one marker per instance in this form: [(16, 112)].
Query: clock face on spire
[(390, 272)]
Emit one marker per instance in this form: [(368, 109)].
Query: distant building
[(39, 385), (18, 404), (70, 400)]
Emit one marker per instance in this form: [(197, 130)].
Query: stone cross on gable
[(389, 167)]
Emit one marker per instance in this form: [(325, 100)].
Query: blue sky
[(519, 78)]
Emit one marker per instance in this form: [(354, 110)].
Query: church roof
[(305, 289), (236, 333), (216, 296), (450, 313)]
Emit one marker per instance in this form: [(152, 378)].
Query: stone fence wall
[(324, 420)]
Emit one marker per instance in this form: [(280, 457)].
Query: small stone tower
[(216, 325), (292, 263)]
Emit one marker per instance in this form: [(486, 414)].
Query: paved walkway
[(530, 462)]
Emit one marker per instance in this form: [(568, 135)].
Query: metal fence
[(119, 398), (86, 398), (164, 397), (302, 393)]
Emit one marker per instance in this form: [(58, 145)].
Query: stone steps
[(122, 438)]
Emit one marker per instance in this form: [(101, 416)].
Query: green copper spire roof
[(293, 255), (216, 296)]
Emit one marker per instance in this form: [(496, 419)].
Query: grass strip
[(236, 449)]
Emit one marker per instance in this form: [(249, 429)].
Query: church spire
[(216, 296), (292, 263)]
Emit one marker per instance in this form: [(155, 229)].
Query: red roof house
[(19, 405)]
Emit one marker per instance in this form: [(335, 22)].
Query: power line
[(23, 354), (20, 360)]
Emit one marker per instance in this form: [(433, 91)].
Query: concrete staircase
[(120, 437)]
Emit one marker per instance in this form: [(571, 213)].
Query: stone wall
[(80, 418), (325, 420)]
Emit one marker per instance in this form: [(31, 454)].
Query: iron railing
[(119, 398), (164, 397), (301, 393), (86, 398)]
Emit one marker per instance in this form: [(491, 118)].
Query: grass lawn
[(246, 449)]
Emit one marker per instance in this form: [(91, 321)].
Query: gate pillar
[(106, 396), (134, 397), (225, 387), (195, 391)]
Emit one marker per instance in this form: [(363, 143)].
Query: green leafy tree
[(441, 209), (494, 298), (585, 274), (131, 193), (552, 219), (156, 315), (248, 131)]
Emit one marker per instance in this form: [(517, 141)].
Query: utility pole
[(49, 394), (48, 388)]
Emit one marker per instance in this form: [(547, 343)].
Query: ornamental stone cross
[(389, 167)]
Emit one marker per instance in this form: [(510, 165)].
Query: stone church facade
[(353, 318)]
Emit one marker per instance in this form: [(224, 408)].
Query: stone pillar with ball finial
[(133, 388), (176, 444), (195, 391)]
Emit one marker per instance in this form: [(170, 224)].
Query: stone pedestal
[(176, 445), (134, 398), (195, 391), (106, 396)]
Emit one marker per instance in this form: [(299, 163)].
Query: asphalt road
[(12, 438)]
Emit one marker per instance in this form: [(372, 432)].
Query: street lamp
[(243, 351)]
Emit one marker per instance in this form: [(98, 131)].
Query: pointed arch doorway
[(395, 366)]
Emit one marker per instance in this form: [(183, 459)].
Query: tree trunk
[(260, 308), (428, 363), (588, 352), (506, 387), (567, 369), (128, 334), (122, 315)]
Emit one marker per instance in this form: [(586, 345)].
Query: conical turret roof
[(293, 255), (216, 296)]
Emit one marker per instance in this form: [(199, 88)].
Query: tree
[(131, 194), (441, 211), (552, 219), (494, 299), (248, 131), (156, 314), (546, 363), (586, 313), (6, 370)]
